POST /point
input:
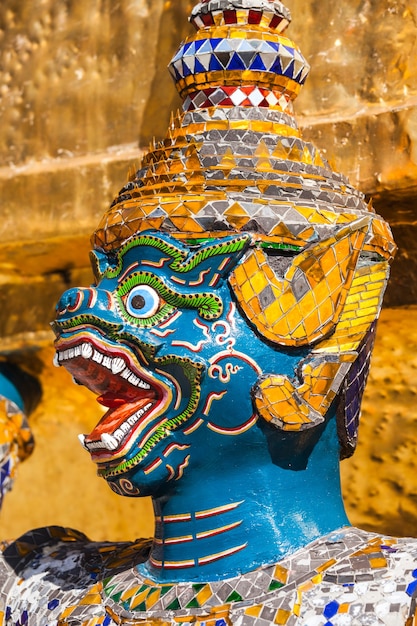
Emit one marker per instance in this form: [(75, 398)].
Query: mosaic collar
[(345, 557), (56, 576)]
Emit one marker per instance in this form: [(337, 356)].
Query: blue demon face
[(161, 342)]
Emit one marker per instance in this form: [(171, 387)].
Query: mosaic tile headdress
[(234, 162)]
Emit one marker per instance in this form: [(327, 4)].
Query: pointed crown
[(234, 160)]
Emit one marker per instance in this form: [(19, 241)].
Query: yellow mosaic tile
[(204, 595), (152, 598), (282, 617), (66, 612), (377, 563), (326, 565), (254, 611), (330, 269), (317, 579), (281, 574), (138, 599), (93, 597), (297, 607), (129, 593), (312, 321), (276, 402)]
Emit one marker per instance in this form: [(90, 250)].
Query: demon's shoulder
[(50, 568), (350, 577)]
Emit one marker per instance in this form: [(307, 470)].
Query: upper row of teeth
[(115, 364)]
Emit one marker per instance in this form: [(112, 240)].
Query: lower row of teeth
[(112, 442), (115, 364)]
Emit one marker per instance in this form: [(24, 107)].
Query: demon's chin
[(157, 474), (136, 484)]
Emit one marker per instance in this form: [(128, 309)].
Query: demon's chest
[(55, 577)]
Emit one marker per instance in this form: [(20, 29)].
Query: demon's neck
[(245, 510)]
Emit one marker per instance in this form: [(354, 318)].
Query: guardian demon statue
[(238, 280)]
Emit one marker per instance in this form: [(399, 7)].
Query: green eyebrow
[(183, 261), (208, 305)]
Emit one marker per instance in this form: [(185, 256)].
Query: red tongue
[(115, 417), (111, 401)]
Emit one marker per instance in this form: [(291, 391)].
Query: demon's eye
[(145, 300), (142, 301)]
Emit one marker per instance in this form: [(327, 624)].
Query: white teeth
[(95, 445), (97, 356), (87, 350), (107, 362), (119, 434), (112, 442), (117, 365), (134, 379), (109, 441), (81, 439), (136, 416)]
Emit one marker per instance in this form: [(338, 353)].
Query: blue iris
[(142, 301)]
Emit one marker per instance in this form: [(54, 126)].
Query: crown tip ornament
[(239, 49), (271, 13)]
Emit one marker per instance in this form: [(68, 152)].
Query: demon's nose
[(80, 300), (68, 301)]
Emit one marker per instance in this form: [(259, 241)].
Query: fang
[(81, 439)]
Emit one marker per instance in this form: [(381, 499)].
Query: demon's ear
[(302, 404), (100, 263), (305, 305)]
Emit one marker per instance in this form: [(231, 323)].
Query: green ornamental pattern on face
[(158, 308), (86, 319), (132, 300), (182, 260)]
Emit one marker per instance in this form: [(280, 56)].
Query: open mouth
[(134, 398)]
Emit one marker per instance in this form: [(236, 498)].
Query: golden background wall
[(83, 89)]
